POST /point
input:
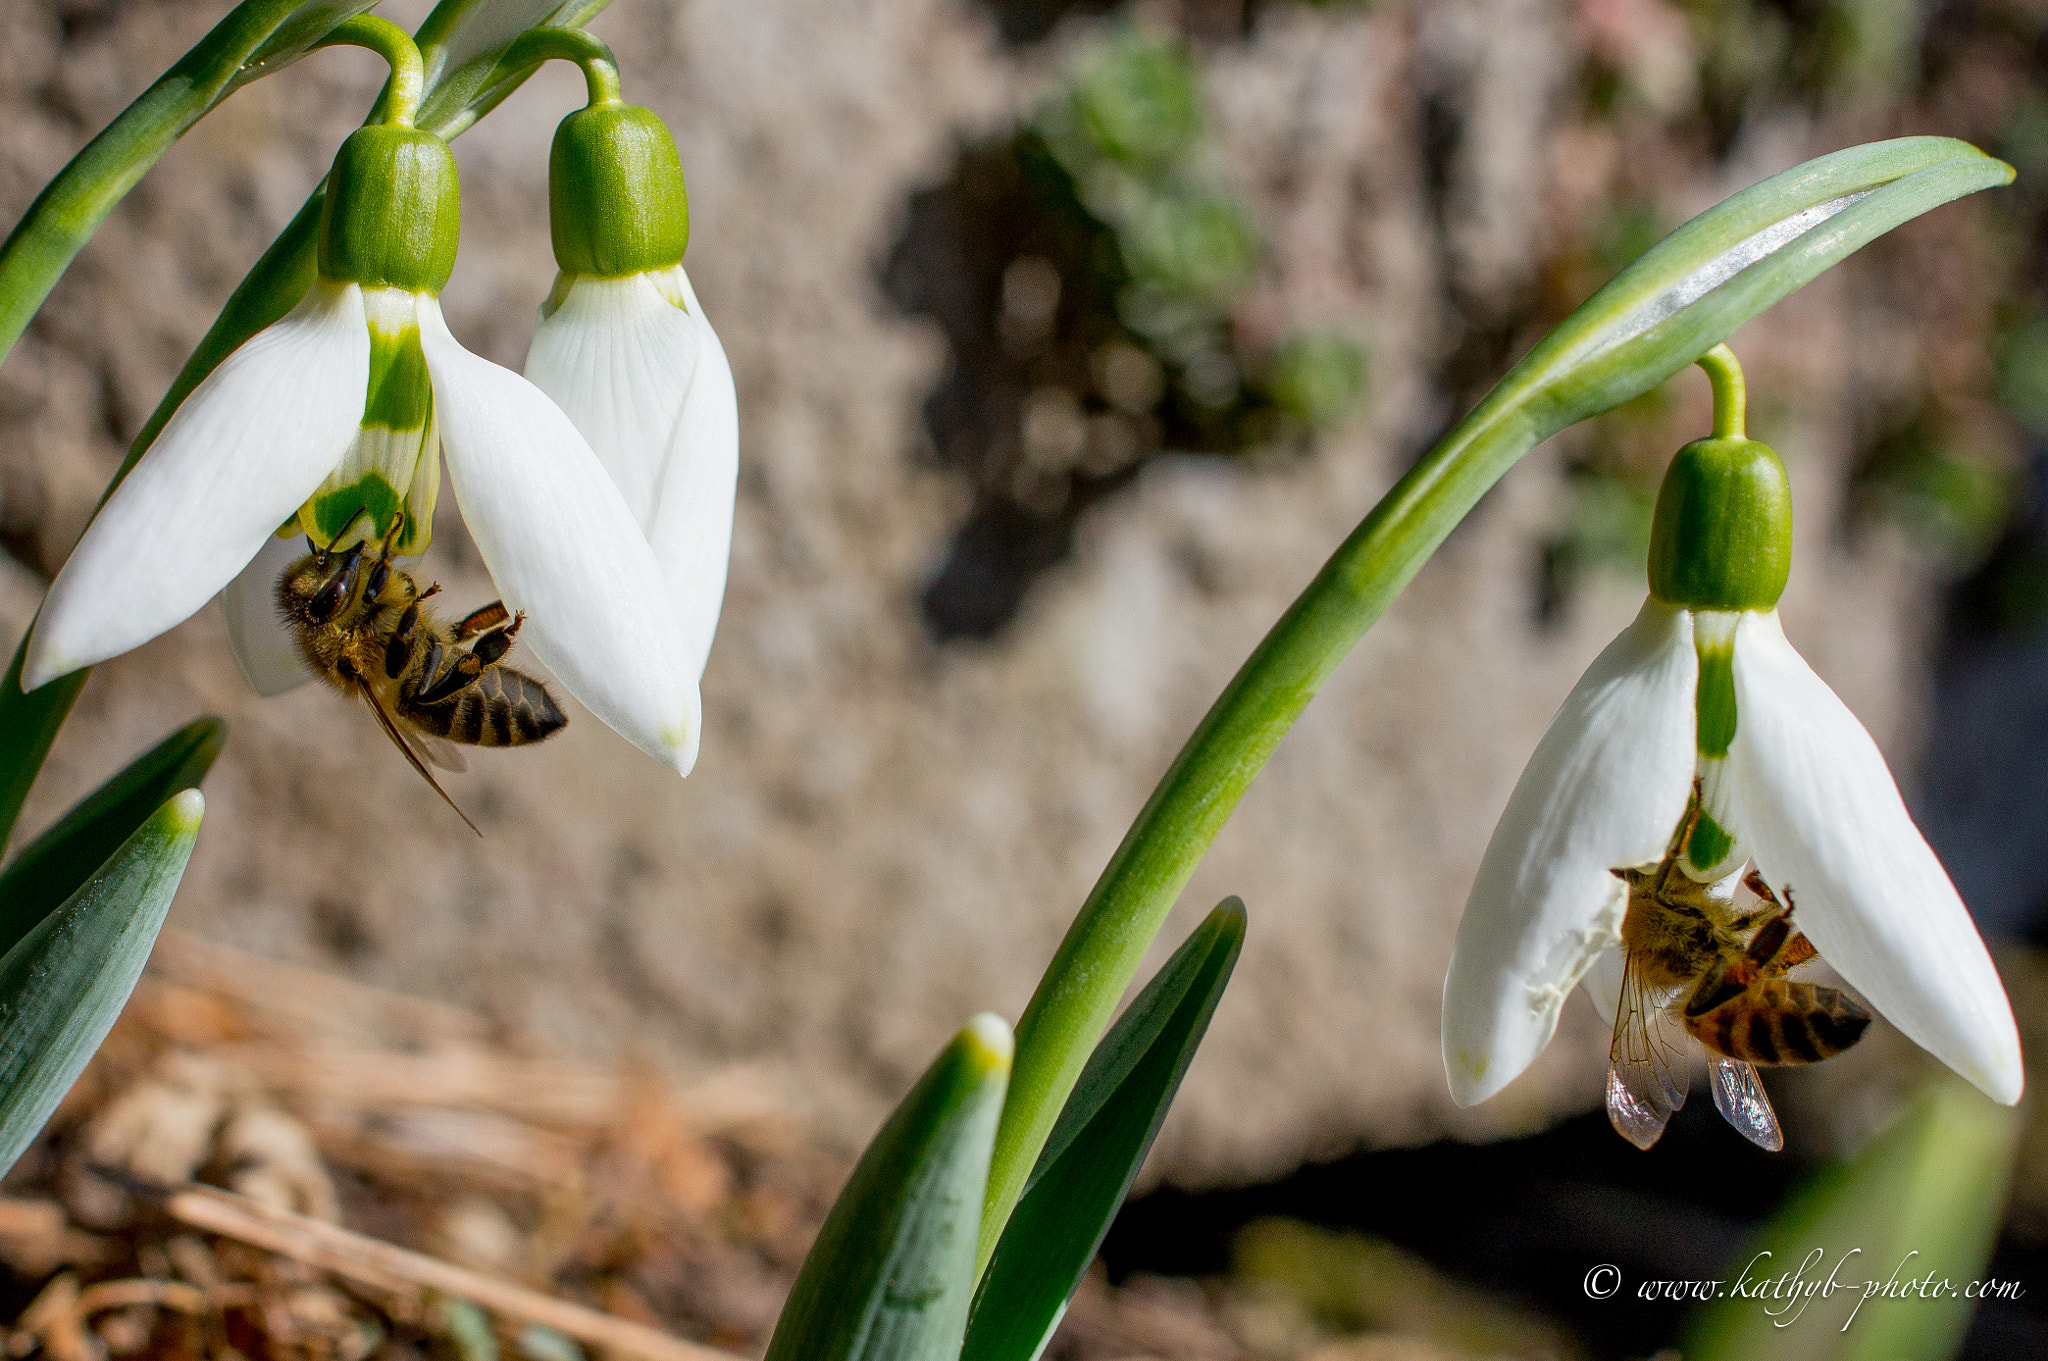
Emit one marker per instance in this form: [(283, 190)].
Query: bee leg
[(1720, 984), (1769, 941), (398, 651), (463, 672), (496, 643), (481, 621), (1796, 952)]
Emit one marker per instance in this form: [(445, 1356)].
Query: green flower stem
[(29, 722), (1731, 398), (400, 100), (1682, 297), (1102, 951), (72, 206), (600, 68)]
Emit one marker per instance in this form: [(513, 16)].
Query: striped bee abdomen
[(500, 708), (1778, 1021)]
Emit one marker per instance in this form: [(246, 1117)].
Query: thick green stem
[(1730, 394), (600, 68), (72, 206), (400, 100)]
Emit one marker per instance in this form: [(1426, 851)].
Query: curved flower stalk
[(622, 344), (1682, 296), (329, 422), (1703, 692)]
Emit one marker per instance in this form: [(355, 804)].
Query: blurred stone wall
[(884, 834)]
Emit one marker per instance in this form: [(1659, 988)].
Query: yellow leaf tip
[(184, 809), (988, 1042)]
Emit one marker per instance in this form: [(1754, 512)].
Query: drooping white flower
[(623, 347), (1703, 690), (331, 422)]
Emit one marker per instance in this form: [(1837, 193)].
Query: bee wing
[(1739, 1096), (440, 752), (398, 739), (1644, 1082)]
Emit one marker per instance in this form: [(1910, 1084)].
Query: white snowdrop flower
[(1704, 691), (624, 348), (332, 422)]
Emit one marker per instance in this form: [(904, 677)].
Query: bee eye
[(328, 598), (337, 589)]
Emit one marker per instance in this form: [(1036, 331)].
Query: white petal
[(1602, 982), (1605, 788), (617, 357), (562, 545), (692, 530), (268, 653), (1821, 814), (637, 366), (250, 443)]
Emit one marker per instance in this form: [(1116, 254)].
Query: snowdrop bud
[(1722, 536), (615, 193), (392, 212)]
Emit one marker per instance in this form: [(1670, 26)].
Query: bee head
[(314, 588)]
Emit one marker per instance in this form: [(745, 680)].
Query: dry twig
[(384, 1266)]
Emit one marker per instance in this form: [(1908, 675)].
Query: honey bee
[(1698, 970), (360, 624)]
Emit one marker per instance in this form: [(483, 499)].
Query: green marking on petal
[(1714, 639), (421, 496), (378, 475), (400, 395), (330, 513), (1708, 845)]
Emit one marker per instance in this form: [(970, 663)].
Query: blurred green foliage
[(1921, 1204), (1101, 282), (1124, 146)]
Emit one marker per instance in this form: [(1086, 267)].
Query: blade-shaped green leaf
[(1099, 1144), (892, 1273), (1697, 286), (49, 869), (305, 30), (1681, 298), (462, 41), (1901, 1232), (62, 986)]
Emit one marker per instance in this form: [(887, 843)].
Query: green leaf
[(1921, 1204), (892, 1273), (64, 983), (305, 30), (49, 869), (1678, 300), (1099, 1144), (463, 41)]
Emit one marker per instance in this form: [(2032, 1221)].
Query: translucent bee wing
[(1739, 1096), (1644, 1082), (440, 752), (398, 739)]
